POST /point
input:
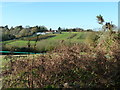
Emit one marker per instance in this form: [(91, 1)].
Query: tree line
[(20, 31)]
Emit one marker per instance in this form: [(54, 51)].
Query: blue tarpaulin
[(18, 52)]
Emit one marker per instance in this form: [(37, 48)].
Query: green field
[(50, 43)]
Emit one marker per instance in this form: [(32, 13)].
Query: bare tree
[(107, 26)]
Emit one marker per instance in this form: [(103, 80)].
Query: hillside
[(49, 42), (76, 65)]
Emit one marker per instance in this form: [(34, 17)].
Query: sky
[(58, 14)]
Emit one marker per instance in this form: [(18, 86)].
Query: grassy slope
[(20, 43), (50, 43), (62, 36)]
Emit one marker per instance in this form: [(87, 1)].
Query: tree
[(23, 33), (27, 26), (6, 27), (34, 30), (43, 29), (50, 29), (59, 28), (100, 19), (107, 26), (12, 28)]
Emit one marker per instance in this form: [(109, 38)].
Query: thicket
[(79, 65)]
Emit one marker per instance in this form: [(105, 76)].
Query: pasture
[(50, 41)]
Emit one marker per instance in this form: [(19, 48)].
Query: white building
[(40, 33)]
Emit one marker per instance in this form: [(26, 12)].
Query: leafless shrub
[(78, 65)]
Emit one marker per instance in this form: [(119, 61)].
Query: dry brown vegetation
[(75, 66)]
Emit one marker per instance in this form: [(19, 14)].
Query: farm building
[(40, 33)]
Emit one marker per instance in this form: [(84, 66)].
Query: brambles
[(93, 63), (79, 65)]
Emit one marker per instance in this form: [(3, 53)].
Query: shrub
[(77, 65)]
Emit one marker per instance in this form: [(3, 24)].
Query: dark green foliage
[(73, 30), (100, 19), (59, 28), (19, 32)]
